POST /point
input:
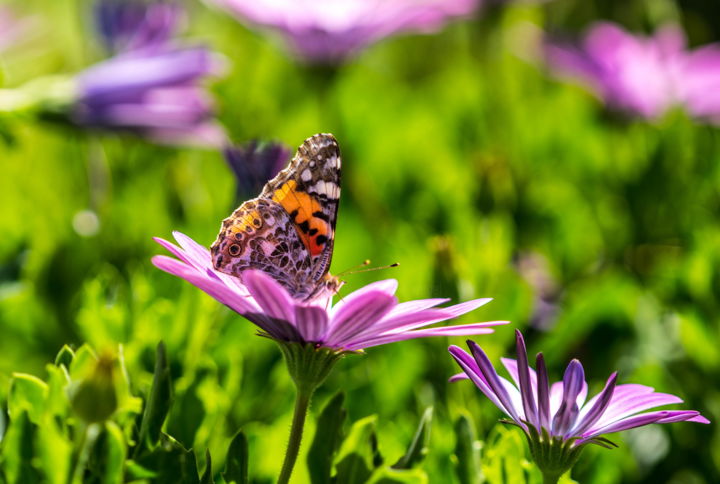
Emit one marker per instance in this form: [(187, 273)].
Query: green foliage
[(236, 465), (467, 452), (597, 235)]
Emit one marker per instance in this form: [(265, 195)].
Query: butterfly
[(288, 231)]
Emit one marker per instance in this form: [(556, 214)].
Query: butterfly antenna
[(363, 268)]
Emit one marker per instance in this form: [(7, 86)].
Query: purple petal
[(414, 306), (467, 306), (526, 389), (241, 304), (469, 365), (458, 377), (543, 392), (586, 420), (270, 295), (493, 380), (357, 315), (130, 75), (628, 406), (663, 416), (312, 322), (459, 330), (388, 286), (237, 302), (572, 385)]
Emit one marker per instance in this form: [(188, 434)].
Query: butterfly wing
[(309, 191), (289, 230)]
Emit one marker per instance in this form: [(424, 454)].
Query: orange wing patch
[(249, 222), (307, 214)]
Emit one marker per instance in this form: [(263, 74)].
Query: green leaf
[(64, 356), (207, 477), (82, 363), (107, 460), (420, 445), (27, 393), (358, 456), (388, 475), (236, 464), (188, 412), (328, 435), (467, 452), (171, 462), (505, 457), (158, 402), (18, 450)]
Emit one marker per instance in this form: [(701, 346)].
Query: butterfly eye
[(234, 250)]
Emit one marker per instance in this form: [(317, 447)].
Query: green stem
[(302, 402), (550, 478), (83, 444)]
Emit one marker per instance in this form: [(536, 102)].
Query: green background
[(461, 161)]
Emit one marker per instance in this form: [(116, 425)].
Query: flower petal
[(600, 404), (572, 385), (459, 330), (270, 295), (526, 388), (493, 381), (470, 366), (357, 315), (312, 322), (662, 416)]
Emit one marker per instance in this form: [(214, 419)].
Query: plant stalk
[(302, 402)]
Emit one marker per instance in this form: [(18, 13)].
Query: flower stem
[(308, 366), (302, 402), (550, 478)]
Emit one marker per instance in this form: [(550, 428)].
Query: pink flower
[(370, 316), (328, 32), (644, 76)]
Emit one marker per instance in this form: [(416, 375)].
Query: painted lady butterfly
[(288, 231)]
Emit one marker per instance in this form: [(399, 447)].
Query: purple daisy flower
[(254, 164), (557, 419), (126, 25), (635, 74), (154, 93), (329, 32), (370, 316)]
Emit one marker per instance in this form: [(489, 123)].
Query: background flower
[(126, 25), (558, 419), (636, 74), (254, 164), (328, 32), (158, 94)]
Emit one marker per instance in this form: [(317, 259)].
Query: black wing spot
[(321, 216), (320, 239), (304, 226), (312, 232), (234, 250)]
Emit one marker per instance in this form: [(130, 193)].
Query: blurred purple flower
[(157, 94), (636, 74), (329, 32), (557, 419), (368, 317), (254, 164), (700, 89), (126, 25)]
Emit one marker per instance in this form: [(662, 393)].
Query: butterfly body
[(288, 231)]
